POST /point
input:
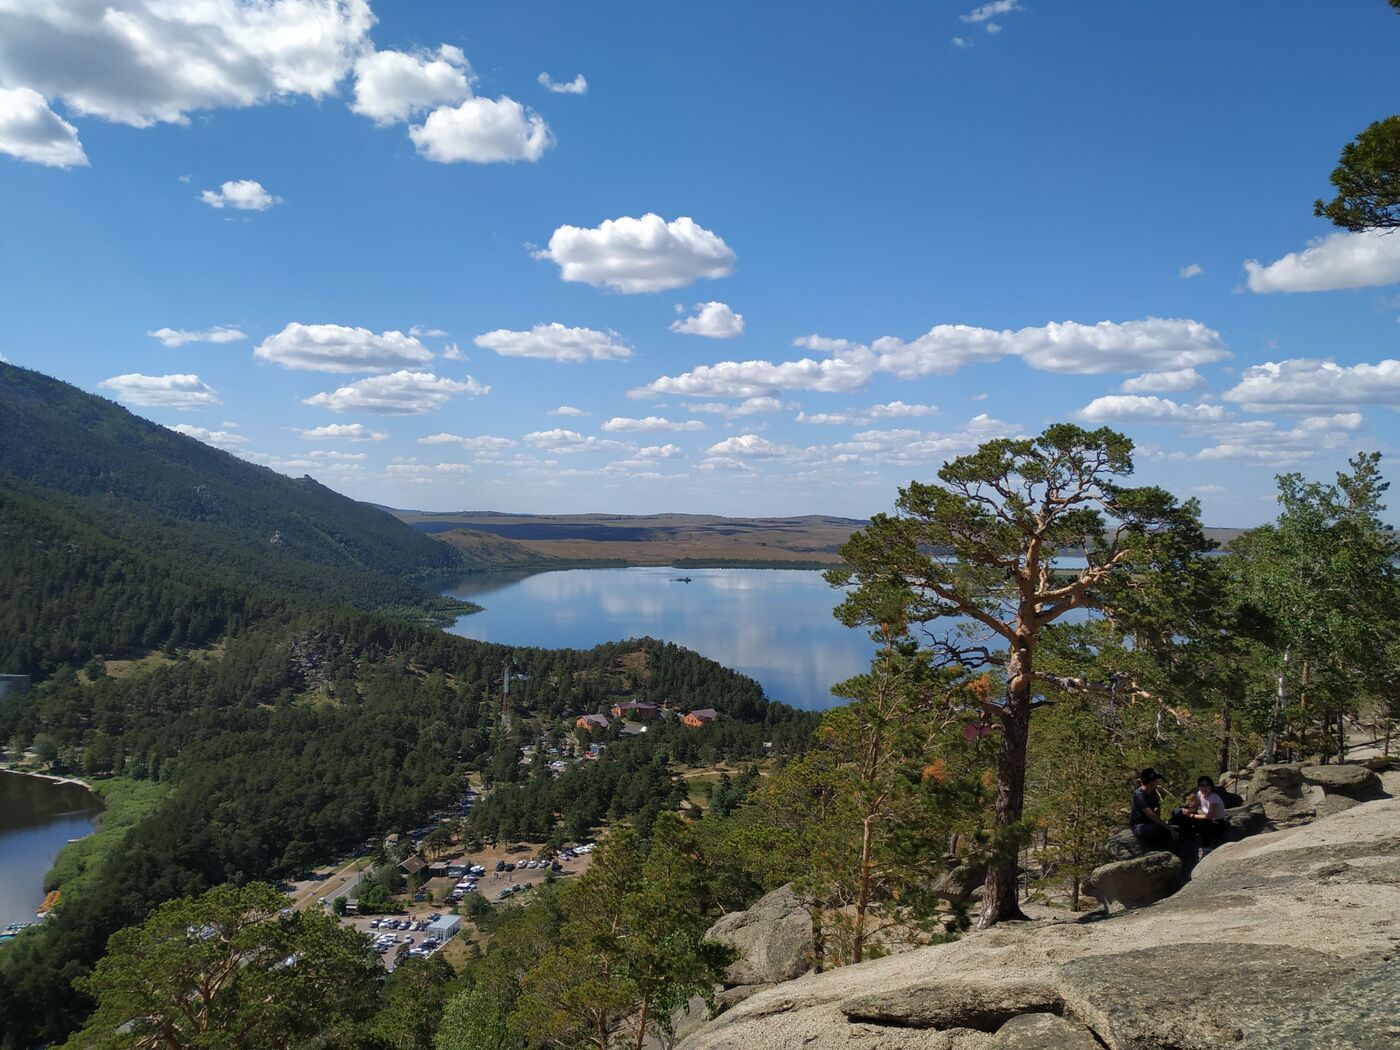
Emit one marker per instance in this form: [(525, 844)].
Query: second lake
[(774, 625)]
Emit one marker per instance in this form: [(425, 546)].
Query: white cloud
[(1136, 408), (170, 391), (480, 443), (1262, 442), (570, 441), (1340, 260), (555, 342), (993, 28), (667, 451), (401, 393), (217, 438), (873, 414), (425, 473), (242, 194), (31, 131), (991, 10), (1190, 270), (749, 445), (714, 320), (1068, 347), (751, 379), (419, 332), (220, 333), (337, 348), (650, 424), (482, 131), (391, 86), (343, 432), (754, 406), (142, 61), (566, 410), (577, 86), (1307, 385), (960, 41), (1164, 382), (639, 255)]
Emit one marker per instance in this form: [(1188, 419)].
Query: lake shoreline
[(5, 768)]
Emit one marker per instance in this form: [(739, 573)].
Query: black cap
[(1148, 775)]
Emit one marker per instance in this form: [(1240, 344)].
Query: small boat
[(50, 902), (681, 579)]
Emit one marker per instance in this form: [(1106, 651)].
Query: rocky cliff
[(1289, 939)]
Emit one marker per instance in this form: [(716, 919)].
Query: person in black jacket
[(1146, 820)]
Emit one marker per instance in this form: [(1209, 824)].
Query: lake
[(37, 818), (774, 625)]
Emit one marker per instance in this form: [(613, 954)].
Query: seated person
[(1210, 814), (1146, 819), (1183, 818)]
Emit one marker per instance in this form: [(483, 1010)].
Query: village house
[(635, 710), (700, 717), (413, 869), (592, 723)]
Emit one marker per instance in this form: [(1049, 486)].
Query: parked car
[(500, 865), (374, 923)]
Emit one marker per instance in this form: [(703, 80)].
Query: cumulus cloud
[(1164, 382), (714, 320), (570, 441), (218, 438), (425, 473), (577, 86), (1136, 408), (751, 379), (753, 406), (667, 451), (391, 86), (1340, 260), (567, 410), (1308, 385), (1264, 443), (220, 333), (343, 432), (480, 443), (482, 131), (639, 255), (555, 342), (749, 445), (170, 391), (1190, 270), (140, 62), (402, 393), (995, 9), (31, 131), (873, 414), (650, 424), (337, 348), (1068, 347), (242, 194)]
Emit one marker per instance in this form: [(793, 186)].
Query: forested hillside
[(284, 724), (121, 491)]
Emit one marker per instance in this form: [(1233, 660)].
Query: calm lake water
[(37, 818), (774, 625)]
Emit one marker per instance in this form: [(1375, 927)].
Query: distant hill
[(810, 541), (117, 535), (689, 540)]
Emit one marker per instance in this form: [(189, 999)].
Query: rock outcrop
[(773, 939), (1292, 792), (1138, 882), (1288, 939)]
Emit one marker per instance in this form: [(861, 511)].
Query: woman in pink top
[(1210, 813)]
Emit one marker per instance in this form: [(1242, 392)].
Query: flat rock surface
[(1289, 939)]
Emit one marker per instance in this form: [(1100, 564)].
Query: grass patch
[(127, 802)]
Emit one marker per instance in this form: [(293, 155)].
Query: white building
[(445, 928)]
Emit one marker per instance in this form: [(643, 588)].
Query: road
[(342, 883)]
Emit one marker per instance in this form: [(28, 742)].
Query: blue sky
[(410, 252)]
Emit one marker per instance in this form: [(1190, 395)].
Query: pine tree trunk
[(867, 844), (999, 891), (1222, 759)]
